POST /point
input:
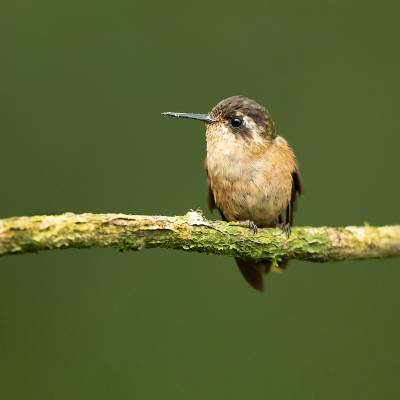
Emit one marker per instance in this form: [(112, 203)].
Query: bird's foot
[(249, 224), (286, 228)]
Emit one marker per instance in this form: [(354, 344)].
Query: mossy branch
[(192, 232)]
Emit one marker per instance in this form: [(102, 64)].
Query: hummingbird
[(253, 177)]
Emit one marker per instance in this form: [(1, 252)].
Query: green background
[(82, 86)]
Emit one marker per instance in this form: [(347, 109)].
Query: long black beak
[(199, 117)]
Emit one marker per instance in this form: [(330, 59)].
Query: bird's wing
[(211, 200), (297, 189)]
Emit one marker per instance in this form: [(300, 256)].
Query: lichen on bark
[(193, 232)]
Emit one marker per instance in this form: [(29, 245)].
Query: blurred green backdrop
[(82, 85)]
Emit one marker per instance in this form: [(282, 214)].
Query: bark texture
[(192, 232)]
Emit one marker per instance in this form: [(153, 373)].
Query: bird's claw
[(286, 228), (250, 224)]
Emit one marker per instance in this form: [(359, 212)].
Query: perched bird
[(252, 172)]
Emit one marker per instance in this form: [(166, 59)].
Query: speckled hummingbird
[(253, 177)]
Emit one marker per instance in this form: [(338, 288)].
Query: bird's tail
[(253, 271)]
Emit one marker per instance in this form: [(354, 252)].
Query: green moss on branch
[(192, 232)]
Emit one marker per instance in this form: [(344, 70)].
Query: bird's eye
[(236, 122)]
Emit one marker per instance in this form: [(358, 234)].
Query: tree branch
[(193, 232)]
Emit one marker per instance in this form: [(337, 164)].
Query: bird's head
[(236, 117)]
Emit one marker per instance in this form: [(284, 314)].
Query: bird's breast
[(231, 160), (248, 184)]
